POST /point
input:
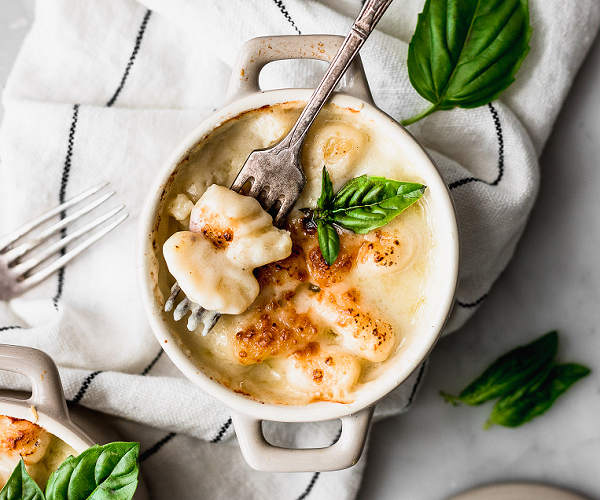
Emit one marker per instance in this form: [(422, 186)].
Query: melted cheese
[(313, 331), (339, 146), (385, 253), (328, 375), (361, 327)]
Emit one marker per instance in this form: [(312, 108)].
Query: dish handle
[(46, 388), (264, 456), (255, 54)]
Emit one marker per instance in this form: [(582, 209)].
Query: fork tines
[(199, 314), (16, 247)]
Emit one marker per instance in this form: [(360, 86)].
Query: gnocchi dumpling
[(180, 207), (230, 235), (270, 129), (339, 146), (326, 374), (23, 439), (362, 329), (386, 253)]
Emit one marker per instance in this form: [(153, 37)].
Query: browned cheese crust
[(273, 327), (21, 437), (213, 228)]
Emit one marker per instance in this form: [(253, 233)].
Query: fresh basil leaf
[(20, 486), (509, 372), (329, 241), (99, 473), (466, 52), (366, 203), (537, 396), (326, 191)]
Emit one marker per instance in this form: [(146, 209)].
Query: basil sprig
[(100, 472), (465, 53), (329, 241), (327, 195), (508, 372), (526, 380), (361, 205), (20, 486)]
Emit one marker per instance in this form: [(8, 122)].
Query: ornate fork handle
[(361, 29)]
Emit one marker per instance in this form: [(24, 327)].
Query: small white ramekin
[(47, 406), (244, 94)]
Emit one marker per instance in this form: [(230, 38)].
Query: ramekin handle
[(264, 456), (258, 52), (46, 388)]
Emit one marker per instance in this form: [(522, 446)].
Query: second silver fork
[(21, 260), (275, 174)]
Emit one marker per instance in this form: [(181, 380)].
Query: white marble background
[(553, 282)]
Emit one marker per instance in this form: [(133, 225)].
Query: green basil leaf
[(326, 191), (466, 52), (329, 241), (537, 396), (509, 372), (20, 486), (99, 473), (366, 203)]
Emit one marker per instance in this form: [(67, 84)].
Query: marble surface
[(15, 20), (553, 282)]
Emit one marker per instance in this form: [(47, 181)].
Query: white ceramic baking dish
[(244, 94), (47, 407)]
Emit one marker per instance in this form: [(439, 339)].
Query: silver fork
[(19, 271), (275, 174)]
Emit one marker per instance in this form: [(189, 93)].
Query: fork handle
[(364, 24)]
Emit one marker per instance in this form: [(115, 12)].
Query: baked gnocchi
[(324, 373), (295, 329), (230, 236), (41, 451)]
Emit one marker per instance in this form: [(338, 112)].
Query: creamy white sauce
[(349, 145)]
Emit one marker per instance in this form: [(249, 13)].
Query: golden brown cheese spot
[(308, 351), (387, 253), (213, 227), (361, 327), (273, 333), (23, 438), (304, 234), (334, 149), (282, 272), (326, 375), (325, 275)]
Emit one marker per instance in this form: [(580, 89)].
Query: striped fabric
[(105, 89)]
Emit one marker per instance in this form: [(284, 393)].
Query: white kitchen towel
[(104, 90)]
